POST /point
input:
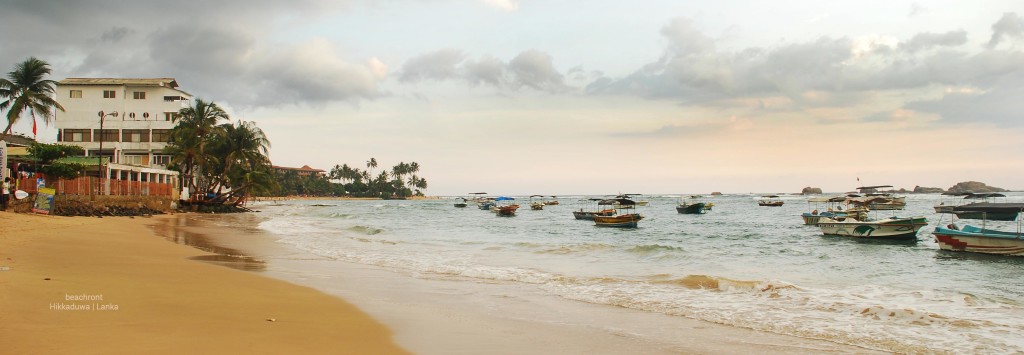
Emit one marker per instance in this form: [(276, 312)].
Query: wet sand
[(431, 316), (100, 286)]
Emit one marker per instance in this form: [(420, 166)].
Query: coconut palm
[(196, 126), (26, 90), (242, 148)]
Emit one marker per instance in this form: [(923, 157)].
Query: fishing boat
[(833, 209), (504, 208), (947, 205), (551, 202), (536, 205), (980, 239), (770, 201), (461, 203), (627, 219), (692, 205), (584, 214), (892, 201), (888, 228), (991, 215)]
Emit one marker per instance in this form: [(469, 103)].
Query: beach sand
[(108, 285)]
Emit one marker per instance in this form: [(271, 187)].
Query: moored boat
[(504, 207), (584, 214), (536, 205), (691, 205), (770, 201), (628, 219), (980, 239), (461, 203), (892, 200), (889, 228)]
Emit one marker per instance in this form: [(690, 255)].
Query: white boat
[(889, 228)]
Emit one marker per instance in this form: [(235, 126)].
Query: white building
[(139, 132)]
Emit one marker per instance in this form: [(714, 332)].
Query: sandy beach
[(91, 285)]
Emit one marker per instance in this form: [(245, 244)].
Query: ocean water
[(740, 265)]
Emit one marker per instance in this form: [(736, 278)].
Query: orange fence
[(82, 185)]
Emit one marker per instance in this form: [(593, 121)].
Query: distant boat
[(589, 215), (892, 202), (691, 205), (628, 219), (505, 209), (462, 203), (630, 197), (551, 202), (979, 239), (770, 201), (833, 209), (536, 205)]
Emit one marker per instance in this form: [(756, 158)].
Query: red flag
[(33, 127)]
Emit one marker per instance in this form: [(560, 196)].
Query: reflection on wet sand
[(177, 230)]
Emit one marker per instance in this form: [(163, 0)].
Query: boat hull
[(976, 240), (620, 221), (770, 203), (991, 216), (460, 205), (893, 228), (589, 215), (694, 208)]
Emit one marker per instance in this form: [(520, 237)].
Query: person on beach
[(5, 193)]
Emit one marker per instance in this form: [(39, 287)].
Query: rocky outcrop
[(928, 190), (716, 193), (974, 186), (810, 190)]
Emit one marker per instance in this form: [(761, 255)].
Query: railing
[(83, 185)]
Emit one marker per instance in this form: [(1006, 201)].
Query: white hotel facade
[(139, 132)]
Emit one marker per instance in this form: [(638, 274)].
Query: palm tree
[(371, 164), (25, 89), (196, 126), (242, 148)]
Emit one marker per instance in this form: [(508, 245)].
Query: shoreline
[(108, 285), (437, 316)]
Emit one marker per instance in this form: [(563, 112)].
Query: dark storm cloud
[(212, 48)]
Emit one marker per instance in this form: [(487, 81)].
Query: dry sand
[(91, 285)]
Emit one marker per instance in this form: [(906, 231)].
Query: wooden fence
[(82, 185)]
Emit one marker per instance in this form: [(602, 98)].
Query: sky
[(564, 97)]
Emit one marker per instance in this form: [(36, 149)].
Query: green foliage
[(343, 180), (46, 154), (26, 90)]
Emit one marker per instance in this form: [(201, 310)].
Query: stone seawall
[(76, 205)]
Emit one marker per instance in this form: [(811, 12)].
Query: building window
[(77, 135), (109, 94), (76, 94), (161, 135), (161, 160), (135, 135), (108, 135), (170, 116), (139, 95)]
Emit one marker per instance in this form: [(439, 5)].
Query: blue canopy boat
[(979, 239)]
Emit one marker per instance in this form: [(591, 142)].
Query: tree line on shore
[(402, 180)]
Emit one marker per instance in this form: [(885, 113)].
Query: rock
[(974, 186), (811, 190), (928, 190), (716, 193)]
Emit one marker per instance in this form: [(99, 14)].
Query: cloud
[(116, 34), (1010, 26), (311, 73), (536, 69), (487, 70), (922, 41), (1000, 104), (531, 69), (439, 65), (505, 5)]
